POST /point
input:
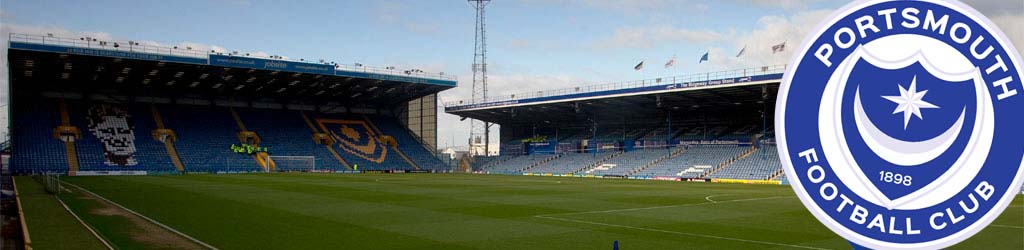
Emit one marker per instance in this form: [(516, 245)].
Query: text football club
[(898, 123)]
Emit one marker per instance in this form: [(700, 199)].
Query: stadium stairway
[(167, 136), (602, 157), (671, 154), (381, 158), (322, 138), (69, 140), (285, 133), (204, 138), (114, 125), (568, 163), (245, 136), (54, 135), (482, 162), (777, 174), (728, 162), (759, 165), (395, 145), (694, 161), (409, 145), (521, 163)]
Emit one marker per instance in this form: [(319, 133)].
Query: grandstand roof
[(128, 68), (714, 93)]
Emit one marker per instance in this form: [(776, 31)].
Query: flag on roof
[(741, 51), (779, 48), (639, 66), (671, 62), (703, 58)]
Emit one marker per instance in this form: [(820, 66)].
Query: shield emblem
[(355, 137), (925, 128)]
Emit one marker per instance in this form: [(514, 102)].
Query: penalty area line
[(682, 233)]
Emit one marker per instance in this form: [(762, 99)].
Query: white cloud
[(616, 5), (393, 13), (1013, 26), (653, 36), (993, 8), (770, 30), (784, 4)]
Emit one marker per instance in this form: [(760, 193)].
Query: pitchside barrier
[(50, 182)]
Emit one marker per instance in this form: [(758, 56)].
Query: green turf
[(433, 211), (50, 226)]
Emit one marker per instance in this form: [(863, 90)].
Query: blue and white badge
[(900, 123)]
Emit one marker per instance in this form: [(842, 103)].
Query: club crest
[(898, 124), (355, 137)]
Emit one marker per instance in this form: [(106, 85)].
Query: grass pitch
[(437, 211)]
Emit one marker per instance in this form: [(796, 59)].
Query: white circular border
[(793, 177)]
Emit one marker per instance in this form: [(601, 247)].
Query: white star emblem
[(910, 102)]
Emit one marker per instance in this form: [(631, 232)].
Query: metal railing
[(94, 43), (133, 46), (688, 78)]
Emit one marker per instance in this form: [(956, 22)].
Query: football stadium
[(121, 145)]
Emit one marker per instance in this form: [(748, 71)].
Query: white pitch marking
[(142, 216), (708, 198), (1006, 226), (682, 233), (669, 206)]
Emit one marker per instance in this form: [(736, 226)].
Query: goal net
[(294, 163)]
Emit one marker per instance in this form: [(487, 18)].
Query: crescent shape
[(899, 152)]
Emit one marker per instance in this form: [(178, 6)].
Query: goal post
[(287, 163)]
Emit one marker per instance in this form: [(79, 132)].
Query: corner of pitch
[(938, 220)]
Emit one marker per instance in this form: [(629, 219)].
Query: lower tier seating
[(117, 136), (759, 165), (695, 161)]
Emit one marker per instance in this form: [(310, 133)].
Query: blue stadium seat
[(34, 149)]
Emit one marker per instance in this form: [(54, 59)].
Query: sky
[(533, 45)]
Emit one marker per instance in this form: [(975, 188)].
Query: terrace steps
[(538, 163), (729, 162), (262, 158), (393, 146), (168, 142), (597, 163), (330, 148), (777, 174), (674, 153), (69, 145), (495, 162)]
